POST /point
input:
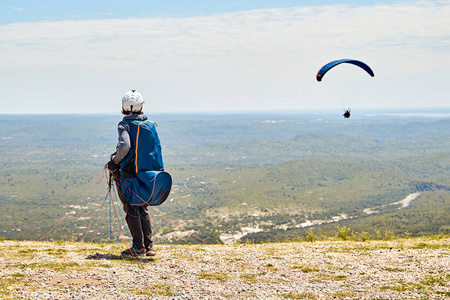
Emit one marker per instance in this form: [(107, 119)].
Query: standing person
[(124, 165)]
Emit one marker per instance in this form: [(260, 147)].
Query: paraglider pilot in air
[(323, 70), (124, 165), (347, 113)]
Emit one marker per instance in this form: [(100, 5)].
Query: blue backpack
[(143, 180)]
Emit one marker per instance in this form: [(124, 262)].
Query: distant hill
[(256, 176)]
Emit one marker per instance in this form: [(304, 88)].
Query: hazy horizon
[(442, 111)]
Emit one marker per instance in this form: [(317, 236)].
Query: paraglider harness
[(142, 179), (347, 113)]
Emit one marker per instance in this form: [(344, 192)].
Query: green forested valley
[(237, 177)]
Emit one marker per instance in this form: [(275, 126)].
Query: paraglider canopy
[(334, 63)]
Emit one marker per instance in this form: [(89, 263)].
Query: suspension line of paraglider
[(100, 212), (139, 259), (111, 185), (95, 211), (159, 212), (74, 207), (324, 69), (111, 197)]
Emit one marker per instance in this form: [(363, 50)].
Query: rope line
[(119, 225), (86, 231), (173, 223), (95, 210), (139, 259), (102, 212), (161, 214), (99, 212), (72, 208)]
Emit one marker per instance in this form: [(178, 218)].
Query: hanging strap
[(137, 144)]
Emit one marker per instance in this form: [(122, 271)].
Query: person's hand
[(112, 166)]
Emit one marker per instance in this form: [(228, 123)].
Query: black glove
[(112, 166)]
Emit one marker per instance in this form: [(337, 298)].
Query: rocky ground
[(416, 268)]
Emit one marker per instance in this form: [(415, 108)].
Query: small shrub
[(309, 237), (343, 233), (389, 235), (360, 237), (378, 234)]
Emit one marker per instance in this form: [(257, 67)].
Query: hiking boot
[(133, 252), (150, 251)]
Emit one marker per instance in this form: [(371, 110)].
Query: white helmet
[(132, 102)]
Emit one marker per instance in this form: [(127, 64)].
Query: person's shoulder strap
[(137, 143)]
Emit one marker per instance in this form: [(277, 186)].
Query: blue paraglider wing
[(334, 63)]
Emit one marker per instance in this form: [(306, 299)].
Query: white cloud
[(233, 60), (18, 9)]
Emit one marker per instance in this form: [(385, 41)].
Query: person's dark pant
[(138, 220)]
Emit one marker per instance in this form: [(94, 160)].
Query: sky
[(222, 56)]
